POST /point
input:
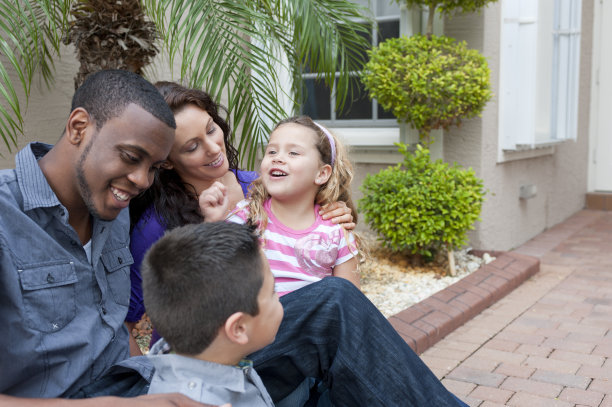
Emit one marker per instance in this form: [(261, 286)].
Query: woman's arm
[(147, 231), (134, 348)]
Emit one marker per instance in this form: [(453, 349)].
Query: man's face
[(119, 160)]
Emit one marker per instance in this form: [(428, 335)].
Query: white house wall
[(559, 173)]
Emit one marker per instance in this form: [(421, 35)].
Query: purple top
[(146, 232)]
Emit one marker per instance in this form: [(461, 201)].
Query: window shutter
[(518, 74), (566, 69)]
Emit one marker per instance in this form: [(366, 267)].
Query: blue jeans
[(332, 332)]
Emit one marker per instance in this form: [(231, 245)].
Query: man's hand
[(339, 213), (149, 400), (167, 400)]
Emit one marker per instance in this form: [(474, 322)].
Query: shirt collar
[(33, 184), (172, 366)]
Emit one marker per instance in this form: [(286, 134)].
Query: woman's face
[(198, 153)]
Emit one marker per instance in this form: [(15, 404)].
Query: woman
[(201, 154), (330, 330)]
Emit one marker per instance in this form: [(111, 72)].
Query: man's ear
[(236, 329), (78, 121), (323, 174), (167, 165)]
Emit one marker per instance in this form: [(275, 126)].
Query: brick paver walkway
[(549, 342)]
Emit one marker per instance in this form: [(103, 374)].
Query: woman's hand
[(214, 202), (339, 213)]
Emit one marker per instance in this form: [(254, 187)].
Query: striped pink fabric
[(301, 257)]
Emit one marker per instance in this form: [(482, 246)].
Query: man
[(64, 258)]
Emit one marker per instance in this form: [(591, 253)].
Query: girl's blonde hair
[(337, 187)]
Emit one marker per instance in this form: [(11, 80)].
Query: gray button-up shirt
[(61, 315), (209, 382)]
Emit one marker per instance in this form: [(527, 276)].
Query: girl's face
[(198, 153), (291, 168)]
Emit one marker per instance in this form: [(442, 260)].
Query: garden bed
[(393, 284)]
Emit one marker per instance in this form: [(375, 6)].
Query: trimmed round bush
[(429, 82), (420, 205)]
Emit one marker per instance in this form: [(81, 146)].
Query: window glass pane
[(360, 107), (387, 29), (384, 114), (362, 53), (316, 102)]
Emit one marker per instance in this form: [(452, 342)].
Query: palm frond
[(237, 49), (30, 37)]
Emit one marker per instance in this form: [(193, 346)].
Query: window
[(539, 72), (319, 102)]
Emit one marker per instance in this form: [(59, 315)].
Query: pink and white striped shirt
[(300, 257)]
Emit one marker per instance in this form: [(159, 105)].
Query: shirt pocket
[(49, 295), (117, 264)]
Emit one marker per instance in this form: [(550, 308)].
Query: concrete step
[(601, 201)]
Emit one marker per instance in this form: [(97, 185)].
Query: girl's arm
[(348, 270), (214, 202), (339, 213)]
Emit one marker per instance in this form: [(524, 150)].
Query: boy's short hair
[(196, 276), (105, 95)]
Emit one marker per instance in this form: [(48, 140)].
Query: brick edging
[(425, 323)]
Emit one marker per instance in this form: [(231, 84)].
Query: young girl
[(304, 168)]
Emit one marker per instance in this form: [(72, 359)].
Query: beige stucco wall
[(48, 108), (560, 177)]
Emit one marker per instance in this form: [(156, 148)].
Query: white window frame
[(373, 134), (539, 73)]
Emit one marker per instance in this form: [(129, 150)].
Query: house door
[(600, 177)]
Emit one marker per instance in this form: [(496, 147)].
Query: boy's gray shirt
[(208, 382)]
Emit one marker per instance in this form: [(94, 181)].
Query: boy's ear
[(236, 328), (323, 174), (78, 121)]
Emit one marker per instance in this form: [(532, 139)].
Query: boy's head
[(200, 278)]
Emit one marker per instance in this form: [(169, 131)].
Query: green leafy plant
[(429, 82), (421, 205), (235, 50)]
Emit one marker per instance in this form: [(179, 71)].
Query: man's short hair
[(196, 276), (105, 95)]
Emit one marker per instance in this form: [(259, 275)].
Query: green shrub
[(430, 83), (420, 205)]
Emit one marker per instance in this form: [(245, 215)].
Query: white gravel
[(393, 285)]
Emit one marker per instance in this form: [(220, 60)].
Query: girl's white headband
[(331, 142)]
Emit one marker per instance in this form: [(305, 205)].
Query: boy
[(209, 291)]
